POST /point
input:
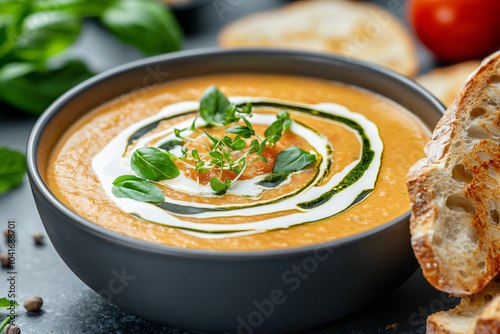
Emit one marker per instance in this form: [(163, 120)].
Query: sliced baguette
[(476, 314), (489, 320), (354, 29), (455, 193), (446, 82)]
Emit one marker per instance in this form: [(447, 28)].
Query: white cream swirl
[(111, 163)]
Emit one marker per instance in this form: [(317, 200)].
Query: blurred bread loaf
[(446, 82), (354, 29)]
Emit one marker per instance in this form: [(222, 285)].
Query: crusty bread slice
[(476, 314), (351, 28), (446, 82), (455, 193), (489, 320)]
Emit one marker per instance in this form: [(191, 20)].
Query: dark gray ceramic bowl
[(234, 292)]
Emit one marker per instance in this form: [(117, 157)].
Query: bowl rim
[(142, 245), (193, 4)]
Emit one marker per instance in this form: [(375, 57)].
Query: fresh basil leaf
[(293, 159), (12, 15), (240, 130), (4, 35), (153, 164), (12, 168), (213, 105), (146, 24), (129, 186), (219, 187), (13, 7), (274, 131), (94, 8), (45, 34), (5, 303), (123, 178), (32, 89)]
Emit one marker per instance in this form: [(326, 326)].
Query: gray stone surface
[(71, 307)]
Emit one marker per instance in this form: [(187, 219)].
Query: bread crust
[(434, 325), (354, 29), (489, 326), (454, 190)]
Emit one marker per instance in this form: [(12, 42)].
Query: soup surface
[(75, 176)]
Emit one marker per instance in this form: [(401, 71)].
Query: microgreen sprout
[(222, 154)]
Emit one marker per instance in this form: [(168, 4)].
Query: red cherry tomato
[(457, 30)]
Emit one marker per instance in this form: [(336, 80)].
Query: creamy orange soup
[(73, 180)]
